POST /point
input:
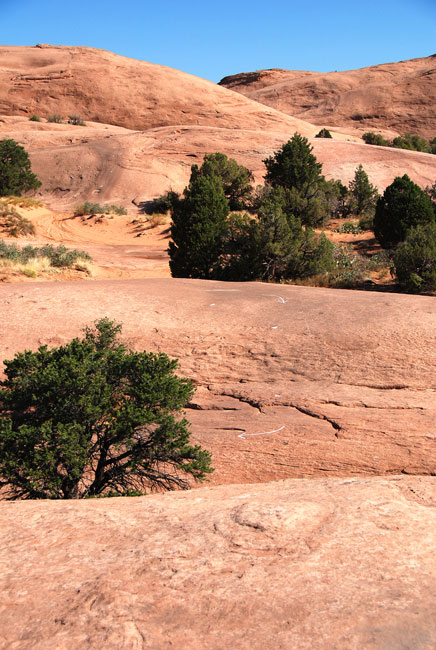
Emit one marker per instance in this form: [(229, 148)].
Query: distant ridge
[(396, 97)]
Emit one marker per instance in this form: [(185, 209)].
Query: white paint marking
[(212, 304), (262, 433), (282, 300), (274, 327)]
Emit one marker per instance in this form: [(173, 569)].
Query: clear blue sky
[(214, 39)]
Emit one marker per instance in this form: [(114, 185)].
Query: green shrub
[(412, 142), (95, 208), (34, 118), (375, 138), (92, 417), (324, 133), (402, 206), (236, 179), (55, 118), (164, 203), (15, 171), (59, 256), (415, 259)]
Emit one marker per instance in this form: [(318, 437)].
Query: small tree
[(362, 194), (91, 417), (415, 260), (15, 174), (199, 228), (324, 133), (236, 179), (402, 206), (294, 166)]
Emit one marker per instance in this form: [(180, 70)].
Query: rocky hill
[(103, 87), (393, 97)]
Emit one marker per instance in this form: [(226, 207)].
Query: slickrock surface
[(292, 381), (109, 164), (304, 564), (395, 97)]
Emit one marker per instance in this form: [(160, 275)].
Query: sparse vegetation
[(15, 170), (92, 418), (22, 202), (95, 208), (14, 224), (349, 228), (76, 120), (410, 141), (55, 119), (34, 118), (57, 256)]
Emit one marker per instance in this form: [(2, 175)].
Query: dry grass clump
[(23, 202), (32, 261), (95, 208), (14, 224)]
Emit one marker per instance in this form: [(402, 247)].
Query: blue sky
[(212, 40)]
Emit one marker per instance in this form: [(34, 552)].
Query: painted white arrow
[(262, 433), (282, 300)]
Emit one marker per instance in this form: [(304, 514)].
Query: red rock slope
[(111, 89), (398, 97)]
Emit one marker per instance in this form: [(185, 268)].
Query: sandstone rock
[(292, 381), (301, 564), (396, 97)]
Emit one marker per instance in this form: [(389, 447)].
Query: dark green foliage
[(274, 246), (430, 190), (432, 146), (309, 197), (34, 118), (362, 194), (55, 118), (294, 166), (199, 228), (15, 174), (402, 206), (164, 203), (92, 417), (375, 138), (236, 179), (324, 133), (410, 141), (241, 260), (415, 260)]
